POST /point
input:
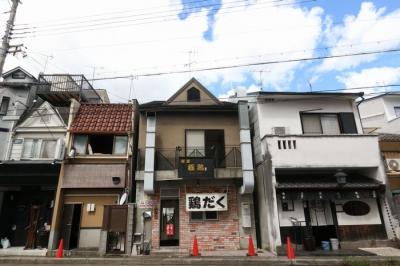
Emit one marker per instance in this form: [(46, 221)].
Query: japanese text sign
[(206, 202)]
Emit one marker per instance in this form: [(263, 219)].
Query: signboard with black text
[(206, 202)]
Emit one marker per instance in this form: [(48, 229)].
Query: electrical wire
[(30, 34)]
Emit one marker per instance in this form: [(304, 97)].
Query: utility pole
[(5, 46)]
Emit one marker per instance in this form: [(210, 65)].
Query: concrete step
[(170, 252)]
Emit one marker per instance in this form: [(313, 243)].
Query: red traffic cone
[(290, 251), (60, 250), (195, 249), (251, 251)]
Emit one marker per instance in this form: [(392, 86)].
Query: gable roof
[(34, 111), (198, 85), (103, 119), (18, 68)]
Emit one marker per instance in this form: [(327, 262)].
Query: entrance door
[(169, 222), (71, 225)]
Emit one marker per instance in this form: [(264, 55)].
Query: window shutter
[(348, 123)]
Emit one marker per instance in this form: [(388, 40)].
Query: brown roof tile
[(103, 119)]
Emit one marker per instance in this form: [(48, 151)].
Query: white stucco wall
[(371, 218), (324, 151), (286, 113), (390, 102)]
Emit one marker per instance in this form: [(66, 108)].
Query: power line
[(194, 8), (28, 34)]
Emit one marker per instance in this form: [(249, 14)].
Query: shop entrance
[(169, 222), (71, 225), (319, 220)]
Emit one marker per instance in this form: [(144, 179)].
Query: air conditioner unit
[(279, 131), (393, 164)]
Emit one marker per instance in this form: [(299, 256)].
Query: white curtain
[(195, 146), (330, 124)]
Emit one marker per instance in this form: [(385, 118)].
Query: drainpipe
[(245, 147), (149, 154)]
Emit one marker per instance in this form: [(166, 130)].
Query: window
[(18, 75), (203, 216), (356, 208), (206, 143), (80, 143), (39, 149), (100, 144), (120, 145), (193, 95), (5, 102), (287, 205), (331, 124), (397, 111)]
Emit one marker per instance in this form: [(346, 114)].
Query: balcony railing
[(170, 159), (58, 88)]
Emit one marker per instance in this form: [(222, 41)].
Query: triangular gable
[(16, 70), (42, 116), (180, 97)]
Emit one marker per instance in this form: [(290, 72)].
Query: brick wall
[(222, 234)]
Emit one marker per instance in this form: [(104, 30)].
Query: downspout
[(149, 154), (245, 147)]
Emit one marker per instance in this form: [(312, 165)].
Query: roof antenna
[(309, 85)]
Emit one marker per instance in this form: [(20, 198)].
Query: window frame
[(396, 111), (5, 101), (189, 93), (290, 202), (115, 142), (203, 219), (36, 152), (339, 116)]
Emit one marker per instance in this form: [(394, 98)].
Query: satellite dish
[(393, 165), (123, 198)]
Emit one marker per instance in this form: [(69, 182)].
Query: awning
[(29, 173), (324, 187)]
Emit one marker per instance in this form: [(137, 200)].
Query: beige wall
[(181, 99), (170, 127), (92, 219)]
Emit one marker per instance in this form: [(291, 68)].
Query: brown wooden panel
[(361, 232), (115, 218), (93, 175)]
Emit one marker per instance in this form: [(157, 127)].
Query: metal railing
[(66, 83), (169, 159)]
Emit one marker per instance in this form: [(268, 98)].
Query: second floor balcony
[(304, 151), (193, 163), (59, 88)]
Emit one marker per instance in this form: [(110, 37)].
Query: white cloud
[(258, 29), (371, 76), (370, 30)]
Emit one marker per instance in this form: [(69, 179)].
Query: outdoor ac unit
[(279, 130), (393, 164)]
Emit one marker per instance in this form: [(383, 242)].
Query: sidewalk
[(205, 261)]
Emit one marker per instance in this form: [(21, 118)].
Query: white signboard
[(206, 202)]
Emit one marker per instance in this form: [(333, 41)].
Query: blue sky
[(136, 38), (305, 77)]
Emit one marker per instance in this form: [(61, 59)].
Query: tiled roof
[(103, 119), (389, 137)]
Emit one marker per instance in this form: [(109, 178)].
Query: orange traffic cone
[(251, 251), (60, 250), (195, 249), (290, 251)]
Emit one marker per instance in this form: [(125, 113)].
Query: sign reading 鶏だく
[(206, 202)]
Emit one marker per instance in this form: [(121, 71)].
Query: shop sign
[(206, 202), (146, 204)]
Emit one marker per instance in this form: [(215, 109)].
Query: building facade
[(29, 176), (95, 184), (17, 91), (317, 175), (195, 173)]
